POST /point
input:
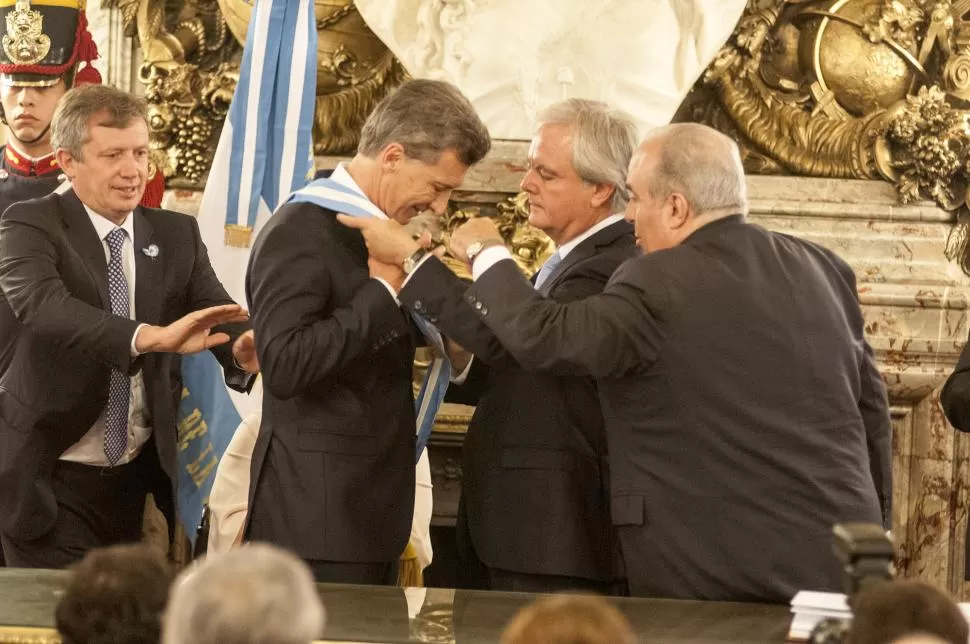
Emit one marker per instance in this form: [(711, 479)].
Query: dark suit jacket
[(333, 466), (534, 475), (744, 411), (61, 343)]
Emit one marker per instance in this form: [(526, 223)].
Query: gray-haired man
[(534, 513), (333, 472)]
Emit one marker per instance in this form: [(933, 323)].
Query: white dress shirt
[(494, 254), (90, 449)]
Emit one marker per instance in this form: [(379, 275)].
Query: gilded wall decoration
[(191, 53), (861, 89)]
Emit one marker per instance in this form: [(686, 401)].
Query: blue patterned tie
[(119, 391), (548, 268)]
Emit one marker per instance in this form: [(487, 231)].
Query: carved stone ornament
[(25, 42), (862, 89), (512, 58)]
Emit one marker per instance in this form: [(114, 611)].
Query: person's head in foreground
[(116, 595), (569, 619), (886, 612), (255, 594)]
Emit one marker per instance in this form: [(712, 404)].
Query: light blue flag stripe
[(334, 196), (256, 174)]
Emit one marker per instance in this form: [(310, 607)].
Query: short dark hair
[(71, 125), (116, 595), (426, 117), (886, 612)]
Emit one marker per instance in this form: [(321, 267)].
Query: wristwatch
[(475, 248), (412, 261)]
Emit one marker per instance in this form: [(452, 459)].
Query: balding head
[(700, 163), (682, 177), (919, 639)]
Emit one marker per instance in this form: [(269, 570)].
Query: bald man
[(744, 413)]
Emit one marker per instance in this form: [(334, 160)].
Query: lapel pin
[(151, 251)]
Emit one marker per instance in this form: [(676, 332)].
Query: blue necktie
[(119, 391), (548, 268)]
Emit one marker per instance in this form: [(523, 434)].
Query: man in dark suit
[(103, 292), (333, 471), (534, 509), (955, 399), (744, 412)]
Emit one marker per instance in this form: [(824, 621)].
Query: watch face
[(473, 249)]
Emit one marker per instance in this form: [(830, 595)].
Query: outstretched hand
[(191, 333)]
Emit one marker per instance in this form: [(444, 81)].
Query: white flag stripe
[(294, 104), (252, 117)]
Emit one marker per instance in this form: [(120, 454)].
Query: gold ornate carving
[(191, 66), (849, 88), (28, 45), (28, 635)]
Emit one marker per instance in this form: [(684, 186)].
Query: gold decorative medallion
[(25, 42)]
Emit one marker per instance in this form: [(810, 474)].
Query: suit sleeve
[(874, 407), (39, 298), (302, 335), (437, 294), (206, 290), (955, 396), (605, 336)]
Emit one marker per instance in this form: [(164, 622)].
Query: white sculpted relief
[(514, 57)]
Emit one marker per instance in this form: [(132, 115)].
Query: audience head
[(578, 161), (681, 178), (569, 619), (886, 612), (418, 143), (918, 639), (100, 135), (255, 594), (116, 595)]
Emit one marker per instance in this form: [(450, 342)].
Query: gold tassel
[(409, 573), (958, 244), (238, 236)]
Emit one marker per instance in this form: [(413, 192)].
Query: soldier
[(45, 50)]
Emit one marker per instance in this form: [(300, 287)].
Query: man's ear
[(679, 211), (602, 194), (392, 156), (66, 161)]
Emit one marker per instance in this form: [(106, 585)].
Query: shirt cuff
[(416, 269), (463, 376), (487, 259), (134, 339), (390, 289)]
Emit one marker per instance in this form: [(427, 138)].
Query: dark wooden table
[(376, 614)]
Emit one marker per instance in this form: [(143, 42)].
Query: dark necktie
[(119, 392)]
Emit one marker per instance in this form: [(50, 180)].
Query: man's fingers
[(352, 222), (215, 315), (215, 339)]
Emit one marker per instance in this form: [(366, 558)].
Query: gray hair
[(602, 142), (426, 117), (702, 164), (255, 594), (71, 125)]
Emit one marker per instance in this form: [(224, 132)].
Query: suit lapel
[(84, 238), (148, 271), (586, 249)]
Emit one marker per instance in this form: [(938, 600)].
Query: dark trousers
[(347, 572), (477, 575), (96, 507)]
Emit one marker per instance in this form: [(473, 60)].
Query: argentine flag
[(265, 152)]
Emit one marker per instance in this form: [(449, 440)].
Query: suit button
[(484, 310), (478, 306), (417, 305)]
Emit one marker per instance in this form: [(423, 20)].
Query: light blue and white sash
[(331, 195)]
